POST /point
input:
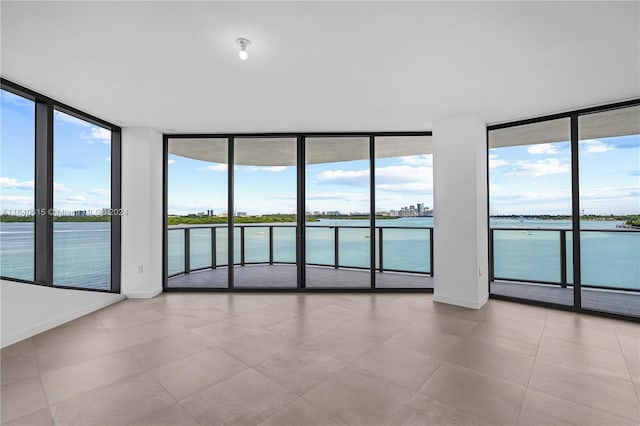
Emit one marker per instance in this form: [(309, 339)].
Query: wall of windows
[(60, 194), (564, 204), (301, 211)]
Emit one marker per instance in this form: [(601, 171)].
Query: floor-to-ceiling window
[(81, 203), (197, 213), (338, 248), (299, 209), (404, 211), (17, 161), (565, 209), (609, 159), (530, 209), (265, 207), (60, 200)]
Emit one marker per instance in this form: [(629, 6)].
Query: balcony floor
[(617, 302), (284, 276)]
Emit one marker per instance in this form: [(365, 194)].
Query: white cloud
[(100, 191), (19, 199), (337, 196), (542, 148), (594, 146), (550, 166), (59, 187), (98, 134), (170, 162), (61, 116), (76, 199), (495, 162), (273, 169), (218, 167), (345, 177), (12, 183), (389, 178), (418, 160)]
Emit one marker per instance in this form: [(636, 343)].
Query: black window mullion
[(372, 211), (43, 230), (116, 205), (575, 214), (302, 214), (230, 209)]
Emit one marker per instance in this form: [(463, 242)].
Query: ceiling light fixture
[(243, 42)]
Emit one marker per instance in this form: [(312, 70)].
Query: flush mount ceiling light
[(243, 42)]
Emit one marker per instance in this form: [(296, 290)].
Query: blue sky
[(534, 179), (197, 186), (82, 159)]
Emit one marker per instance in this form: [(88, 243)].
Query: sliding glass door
[(197, 217), (338, 233), (264, 214)]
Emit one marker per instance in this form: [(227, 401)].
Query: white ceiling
[(327, 66)]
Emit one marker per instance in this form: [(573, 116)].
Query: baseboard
[(59, 320), (143, 294), (466, 303)]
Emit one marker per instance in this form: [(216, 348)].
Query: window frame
[(43, 192)]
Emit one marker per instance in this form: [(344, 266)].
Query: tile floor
[(322, 359), (285, 276)]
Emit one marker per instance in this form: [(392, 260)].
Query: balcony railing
[(610, 259), (398, 249)]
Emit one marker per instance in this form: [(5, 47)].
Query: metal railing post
[(213, 248), (563, 258), (187, 251), (380, 250), (270, 244), (335, 247), (431, 251), (242, 246), (491, 256)]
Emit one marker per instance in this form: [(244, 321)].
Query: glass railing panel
[(175, 245), (354, 247), (200, 248), (320, 246), (610, 259), (284, 244), (527, 255), (222, 249), (406, 249), (256, 244), (237, 250)]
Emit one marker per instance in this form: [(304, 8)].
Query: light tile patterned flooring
[(324, 359)]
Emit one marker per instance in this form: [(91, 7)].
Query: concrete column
[(142, 201), (460, 215)]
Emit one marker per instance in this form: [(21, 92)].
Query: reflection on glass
[(197, 180), (530, 209), (404, 209), (338, 212), (265, 180), (17, 124), (81, 200), (609, 158)]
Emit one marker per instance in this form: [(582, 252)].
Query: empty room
[(320, 213)]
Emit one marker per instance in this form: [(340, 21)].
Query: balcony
[(265, 257)]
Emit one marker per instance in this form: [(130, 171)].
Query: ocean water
[(82, 256), (82, 253)]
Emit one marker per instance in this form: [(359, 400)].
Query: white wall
[(460, 215), (142, 225), (29, 309)]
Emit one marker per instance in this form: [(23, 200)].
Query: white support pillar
[(460, 215), (142, 201)]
